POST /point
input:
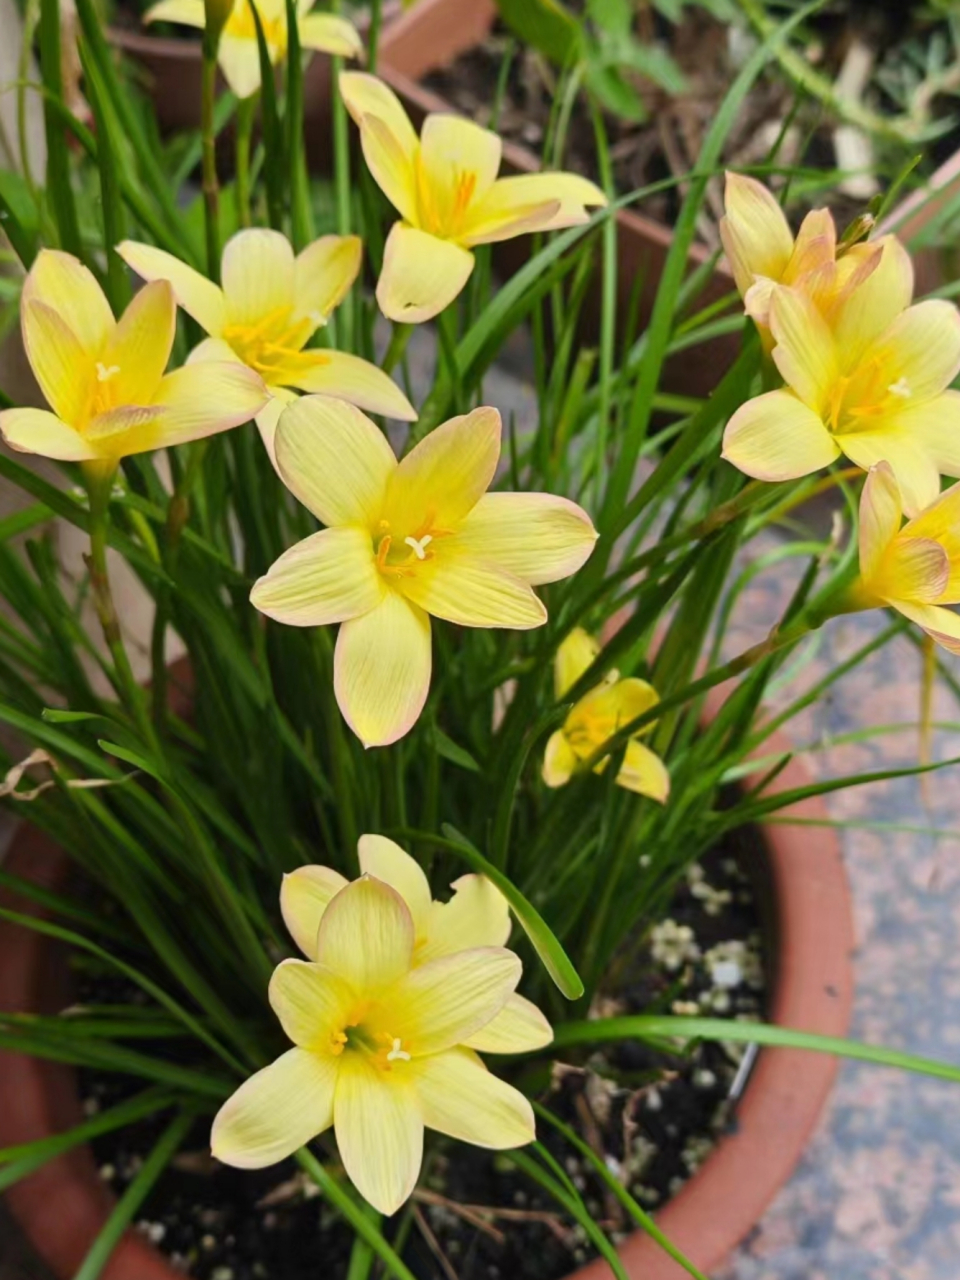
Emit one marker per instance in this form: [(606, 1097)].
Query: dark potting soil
[(651, 1117), (710, 53)]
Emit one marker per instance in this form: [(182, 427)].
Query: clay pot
[(807, 915)]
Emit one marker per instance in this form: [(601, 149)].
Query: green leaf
[(59, 185), (18, 216), (546, 26), (447, 748)]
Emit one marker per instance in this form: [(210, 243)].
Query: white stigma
[(104, 373), (420, 545), (397, 1053), (900, 388)]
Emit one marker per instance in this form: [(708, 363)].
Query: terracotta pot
[(809, 917)]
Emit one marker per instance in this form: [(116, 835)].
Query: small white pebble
[(221, 1273), (653, 1101), (107, 1172), (208, 1242), (90, 1106), (703, 1078)]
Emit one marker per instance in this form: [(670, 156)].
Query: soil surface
[(651, 1117)]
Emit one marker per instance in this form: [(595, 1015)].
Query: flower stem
[(211, 188), (246, 108), (398, 345)]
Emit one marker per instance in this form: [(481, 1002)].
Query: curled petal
[(644, 772), (942, 625), (461, 1098), (393, 168), (39, 431), (530, 202), (754, 231), (268, 419), (365, 95), (880, 517), (776, 437), (328, 577), (198, 296), (421, 274), (305, 895), (941, 522)]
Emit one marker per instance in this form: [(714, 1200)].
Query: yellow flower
[(270, 305), (596, 717), (444, 185), (406, 540), (916, 569), (476, 916), (380, 1051), (871, 385), (238, 53), (762, 253), (104, 378)]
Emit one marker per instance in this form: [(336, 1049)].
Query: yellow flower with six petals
[(476, 916), (270, 305), (379, 1051), (445, 187), (916, 569), (104, 378), (593, 720), (404, 541), (238, 52)]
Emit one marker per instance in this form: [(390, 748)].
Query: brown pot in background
[(807, 915)]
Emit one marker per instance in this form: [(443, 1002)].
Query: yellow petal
[(461, 1098), (304, 896), (347, 377), (530, 202), (37, 431), (644, 772), (458, 165), (576, 654), (312, 1003), (441, 1003), (65, 285), (464, 590), (443, 478), (921, 349), (815, 246), (258, 275), (60, 365), (941, 522), (269, 418), (379, 1131), (559, 760), (914, 569), (755, 233), (128, 429), (203, 399), (942, 625), (330, 34), (276, 1111), (386, 861), (536, 536), (366, 936), (189, 13), (324, 274), (476, 916), (365, 95), (915, 471), (519, 1027), (421, 275), (870, 307), (880, 517), (935, 426), (239, 60), (137, 352), (382, 670), (334, 460), (198, 296), (328, 577), (806, 353), (776, 437)]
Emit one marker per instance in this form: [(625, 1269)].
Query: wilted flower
[(476, 916), (916, 569), (445, 187), (270, 305), (238, 52), (597, 716), (404, 541), (380, 1051), (104, 378)]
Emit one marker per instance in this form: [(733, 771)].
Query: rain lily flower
[(763, 253), (104, 378), (916, 569), (596, 717), (270, 305), (238, 53), (380, 1051), (445, 187), (476, 916), (871, 385), (404, 541)]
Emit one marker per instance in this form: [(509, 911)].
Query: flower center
[(401, 557), (858, 400), (443, 206), (272, 345), (241, 25), (381, 1047)]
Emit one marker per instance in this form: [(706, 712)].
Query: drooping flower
[(404, 541), (763, 253), (104, 378), (270, 305), (916, 569), (445, 187), (238, 53), (593, 720), (380, 1051), (872, 385), (476, 916)]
